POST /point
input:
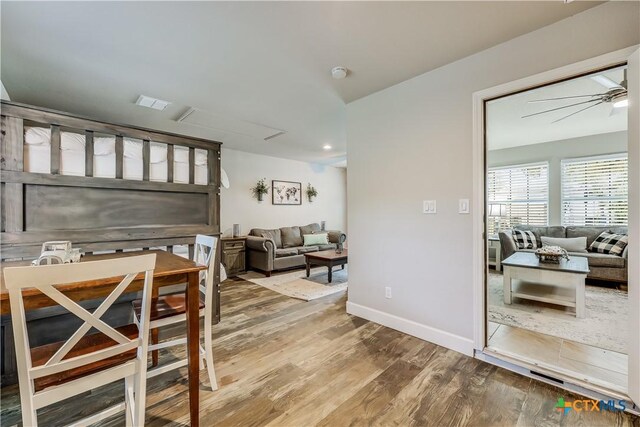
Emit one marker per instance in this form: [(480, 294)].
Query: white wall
[(553, 152), (412, 142), (238, 206)]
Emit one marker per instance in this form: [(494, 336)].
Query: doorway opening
[(557, 212)]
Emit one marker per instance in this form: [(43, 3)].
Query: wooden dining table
[(170, 269)]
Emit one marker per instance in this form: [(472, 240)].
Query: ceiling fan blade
[(615, 111), (576, 112), (565, 97), (563, 107), (605, 81)]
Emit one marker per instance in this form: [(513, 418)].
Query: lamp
[(497, 210)]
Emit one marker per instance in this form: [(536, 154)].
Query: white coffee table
[(561, 284)]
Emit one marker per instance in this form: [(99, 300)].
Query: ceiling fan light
[(622, 103)]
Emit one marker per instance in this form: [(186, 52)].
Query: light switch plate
[(429, 207), (463, 206)]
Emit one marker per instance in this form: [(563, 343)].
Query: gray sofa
[(601, 266), (282, 248)]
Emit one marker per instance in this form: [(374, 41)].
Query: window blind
[(524, 192), (594, 191)]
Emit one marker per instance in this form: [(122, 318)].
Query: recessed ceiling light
[(156, 104), (326, 147), (339, 72)]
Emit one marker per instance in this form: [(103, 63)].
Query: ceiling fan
[(616, 94)]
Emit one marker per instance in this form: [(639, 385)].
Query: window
[(521, 193), (594, 190)]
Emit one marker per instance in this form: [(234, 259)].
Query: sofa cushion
[(604, 260), (291, 237), (306, 249), (309, 229), (273, 235), (619, 229), (574, 244), (327, 247), (589, 232), (551, 231), (280, 253), (595, 260), (609, 243)]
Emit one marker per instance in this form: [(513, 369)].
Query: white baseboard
[(427, 333)]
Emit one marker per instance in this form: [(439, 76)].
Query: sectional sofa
[(282, 248), (602, 266)]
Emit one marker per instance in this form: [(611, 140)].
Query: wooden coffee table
[(561, 284), (327, 259)]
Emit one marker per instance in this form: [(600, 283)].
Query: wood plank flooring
[(286, 362)]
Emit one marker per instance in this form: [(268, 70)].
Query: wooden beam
[(216, 179), (170, 163), (88, 153), (33, 250), (192, 165), (55, 149), (211, 166), (12, 131), (119, 157), (110, 234), (42, 115), (14, 207), (93, 182), (146, 159)]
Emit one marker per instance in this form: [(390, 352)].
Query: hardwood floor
[(286, 362)]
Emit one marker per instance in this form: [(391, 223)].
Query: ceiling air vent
[(149, 102), (209, 120)]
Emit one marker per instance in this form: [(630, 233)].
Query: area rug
[(605, 324), (297, 285)]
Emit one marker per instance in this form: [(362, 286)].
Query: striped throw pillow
[(609, 243), (525, 239)]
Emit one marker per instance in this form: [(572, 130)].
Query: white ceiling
[(266, 63), (506, 128)]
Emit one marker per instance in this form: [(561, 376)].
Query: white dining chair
[(50, 373), (171, 309)]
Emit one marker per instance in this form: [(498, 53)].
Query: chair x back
[(82, 362)]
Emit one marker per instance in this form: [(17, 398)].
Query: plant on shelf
[(311, 192), (260, 189)]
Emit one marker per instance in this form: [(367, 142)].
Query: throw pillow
[(316, 239), (291, 237), (525, 239), (609, 243), (572, 244)]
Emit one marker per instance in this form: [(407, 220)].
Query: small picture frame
[(286, 192)]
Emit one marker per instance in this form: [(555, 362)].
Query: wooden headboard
[(98, 214)]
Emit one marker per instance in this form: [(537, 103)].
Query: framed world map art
[(286, 192)]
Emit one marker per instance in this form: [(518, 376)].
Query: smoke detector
[(339, 73)]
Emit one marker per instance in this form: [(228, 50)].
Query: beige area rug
[(605, 324), (297, 285)]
